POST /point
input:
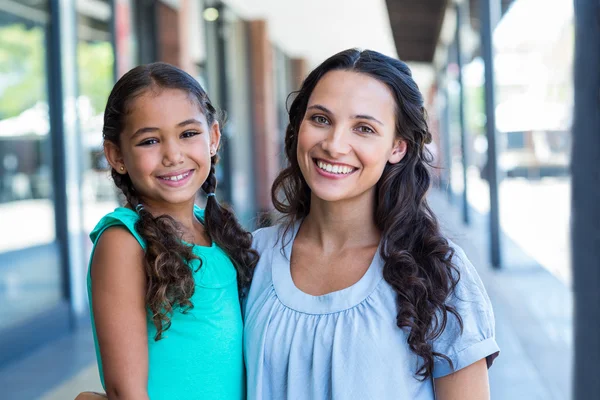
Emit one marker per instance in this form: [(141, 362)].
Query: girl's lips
[(176, 180)]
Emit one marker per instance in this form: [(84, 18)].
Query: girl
[(358, 295), (165, 276)]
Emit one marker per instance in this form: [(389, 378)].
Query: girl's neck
[(183, 213), (338, 225)]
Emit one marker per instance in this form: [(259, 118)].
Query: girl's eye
[(319, 119), (365, 129), (148, 142), (189, 134)]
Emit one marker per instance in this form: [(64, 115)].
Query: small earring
[(122, 168)]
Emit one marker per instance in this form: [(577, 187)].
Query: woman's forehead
[(353, 93)]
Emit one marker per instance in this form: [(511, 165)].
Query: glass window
[(30, 279), (96, 65)]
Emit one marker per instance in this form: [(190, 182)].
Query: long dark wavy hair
[(170, 283), (418, 259)]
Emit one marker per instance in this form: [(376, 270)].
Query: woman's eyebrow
[(368, 117), (320, 107)]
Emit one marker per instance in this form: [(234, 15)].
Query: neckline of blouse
[(330, 303)]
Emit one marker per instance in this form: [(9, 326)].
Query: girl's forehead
[(167, 107), (156, 96), (164, 102)]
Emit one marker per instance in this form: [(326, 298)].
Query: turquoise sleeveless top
[(200, 355)]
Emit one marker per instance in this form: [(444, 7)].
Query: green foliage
[(95, 61), (22, 69)]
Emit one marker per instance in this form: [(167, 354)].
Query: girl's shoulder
[(121, 216)]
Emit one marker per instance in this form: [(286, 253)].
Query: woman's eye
[(319, 119), (365, 129), (188, 134)]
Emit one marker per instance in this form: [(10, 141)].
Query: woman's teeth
[(334, 169)]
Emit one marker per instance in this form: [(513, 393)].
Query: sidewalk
[(533, 312)]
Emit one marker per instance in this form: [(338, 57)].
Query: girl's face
[(347, 136), (166, 147)]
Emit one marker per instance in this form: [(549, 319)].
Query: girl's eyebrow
[(191, 121), (358, 116), (144, 130)]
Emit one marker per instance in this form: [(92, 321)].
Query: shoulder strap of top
[(119, 217)]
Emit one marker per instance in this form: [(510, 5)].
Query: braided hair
[(170, 282)]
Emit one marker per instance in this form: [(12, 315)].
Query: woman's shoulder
[(469, 278), (268, 237)]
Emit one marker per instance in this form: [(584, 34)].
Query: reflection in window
[(95, 59), (26, 209), (30, 274)]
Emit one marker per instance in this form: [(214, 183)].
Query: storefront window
[(27, 216), (96, 66)]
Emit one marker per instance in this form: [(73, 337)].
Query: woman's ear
[(398, 151), (215, 138), (114, 157)]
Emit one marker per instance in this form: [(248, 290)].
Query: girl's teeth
[(176, 178)]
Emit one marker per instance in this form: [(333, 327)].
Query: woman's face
[(347, 136)]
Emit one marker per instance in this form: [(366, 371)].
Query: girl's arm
[(469, 383), (118, 300)]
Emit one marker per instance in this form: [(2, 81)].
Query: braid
[(210, 185), (224, 229), (170, 283)]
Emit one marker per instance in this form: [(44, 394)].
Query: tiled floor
[(533, 324)]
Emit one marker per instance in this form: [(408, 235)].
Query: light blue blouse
[(345, 344)]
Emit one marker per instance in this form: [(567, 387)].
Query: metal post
[(56, 110), (464, 142), (585, 195), (226, 151), (445, 135), (490, 15)]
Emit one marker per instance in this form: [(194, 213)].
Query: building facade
[(58, 62)]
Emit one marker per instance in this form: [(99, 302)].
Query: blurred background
[(497, 76)]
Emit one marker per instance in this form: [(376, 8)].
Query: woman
[(358, 295)]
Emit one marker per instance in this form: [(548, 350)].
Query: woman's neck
[(338, 225)]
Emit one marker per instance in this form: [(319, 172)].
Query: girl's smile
[(176, 179)]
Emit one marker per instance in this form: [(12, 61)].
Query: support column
[(299, 72), (169, 44), (585, 195), (490, 15), (265, 119), (464, 137)]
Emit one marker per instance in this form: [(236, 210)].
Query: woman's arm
[(118, 300), (469, 383)]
